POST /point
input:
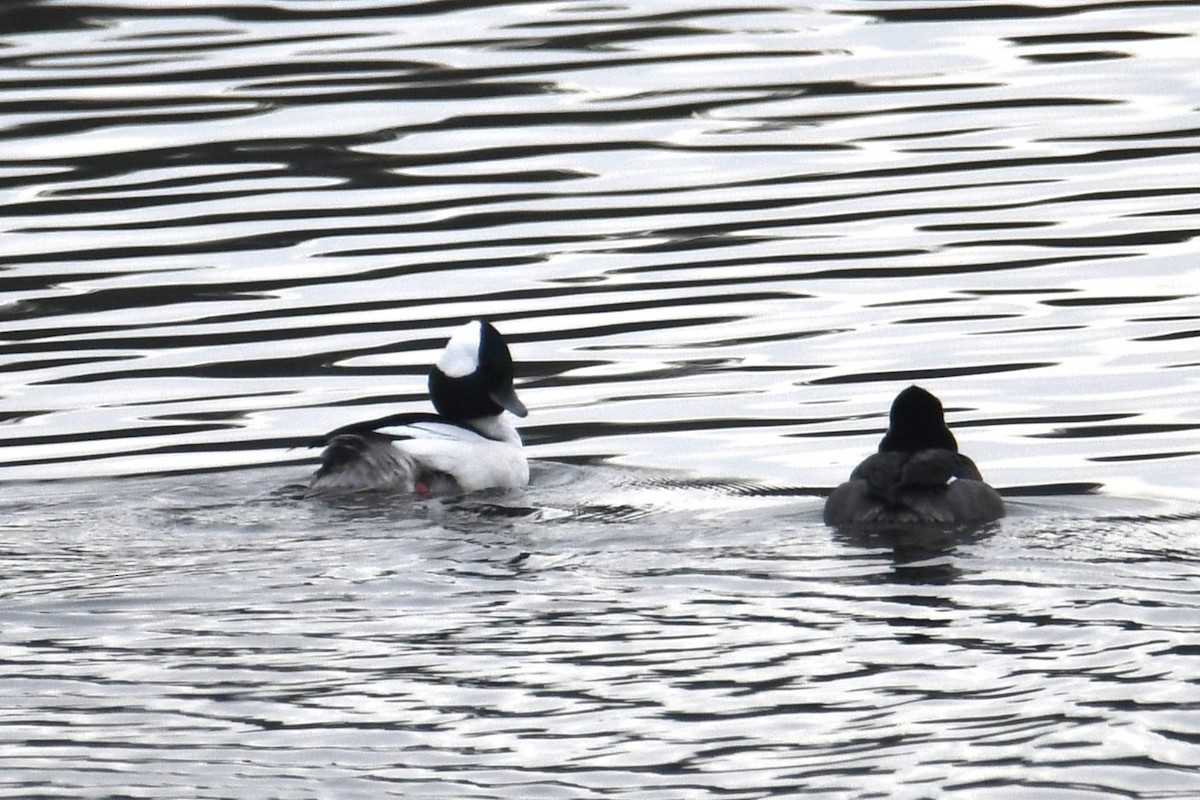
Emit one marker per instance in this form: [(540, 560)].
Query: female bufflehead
[(918, 475), (467, 446)]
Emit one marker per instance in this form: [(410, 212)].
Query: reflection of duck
[(468, 445), (918, 475)]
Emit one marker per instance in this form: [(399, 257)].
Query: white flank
[(475, 462), (483, 464)]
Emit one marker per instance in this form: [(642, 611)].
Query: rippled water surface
[(719, 239)]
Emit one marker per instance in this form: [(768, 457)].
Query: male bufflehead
[(467, 446), (918, 475)]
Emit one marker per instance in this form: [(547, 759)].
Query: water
[(719, 240)]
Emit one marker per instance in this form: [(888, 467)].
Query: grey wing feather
[(358, 461)]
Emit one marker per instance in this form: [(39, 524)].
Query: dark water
[(720, 239)]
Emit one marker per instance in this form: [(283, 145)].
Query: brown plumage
[(918, 475)]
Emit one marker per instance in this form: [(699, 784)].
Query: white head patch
[(461, 356)]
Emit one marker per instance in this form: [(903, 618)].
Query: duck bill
[(507, 399)]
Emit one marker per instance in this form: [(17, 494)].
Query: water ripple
[(719, 239)]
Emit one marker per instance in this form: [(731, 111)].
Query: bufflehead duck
[(918, 475), (467, 446)]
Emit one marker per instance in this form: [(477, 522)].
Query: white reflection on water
[(720, 240), (666, 637)]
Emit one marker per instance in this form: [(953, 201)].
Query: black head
[(917, 422), (473, 378)]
